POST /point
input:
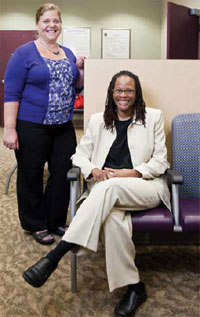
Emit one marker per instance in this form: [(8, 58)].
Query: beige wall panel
[(170, 85)]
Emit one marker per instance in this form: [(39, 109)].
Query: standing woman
[(40, 86)]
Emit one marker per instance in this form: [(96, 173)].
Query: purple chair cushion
[(152, 220), (190, 214)]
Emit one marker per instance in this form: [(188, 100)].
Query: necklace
[(54, 52)]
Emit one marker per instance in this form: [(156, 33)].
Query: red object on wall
[(9, 41)]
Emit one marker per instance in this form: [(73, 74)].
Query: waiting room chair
[(186, 160), (160, 219), (11, 172)]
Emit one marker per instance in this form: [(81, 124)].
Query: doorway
[(182, 32), (9, 41)]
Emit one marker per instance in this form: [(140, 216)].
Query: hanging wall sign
[(115, 43)]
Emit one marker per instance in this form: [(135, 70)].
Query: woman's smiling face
[(124, 95), (49, 26)]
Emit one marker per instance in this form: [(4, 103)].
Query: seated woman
[(123, 158)]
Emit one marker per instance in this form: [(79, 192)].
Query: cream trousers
[(104, 212)]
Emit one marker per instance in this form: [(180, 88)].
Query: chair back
[(186, 152)]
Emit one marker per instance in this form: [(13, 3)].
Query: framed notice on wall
[(77, 39), (115, 43)]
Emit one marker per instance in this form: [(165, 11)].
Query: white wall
[(194, 4), (142, 16)]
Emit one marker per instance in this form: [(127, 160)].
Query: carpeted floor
[(171, 273)]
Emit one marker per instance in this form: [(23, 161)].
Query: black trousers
[(43, 207)]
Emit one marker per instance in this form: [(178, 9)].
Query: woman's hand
[(10, 138), (112, 172), (80, 61), (80, 65), (102, 175)]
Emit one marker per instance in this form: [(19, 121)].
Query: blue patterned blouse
[(60, 105)]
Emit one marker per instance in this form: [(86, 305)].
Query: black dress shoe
[(37, 274), (129, 303)]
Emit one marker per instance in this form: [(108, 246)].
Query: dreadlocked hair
[(110, 113)]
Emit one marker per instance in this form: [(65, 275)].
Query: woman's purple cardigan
[(27, 81)]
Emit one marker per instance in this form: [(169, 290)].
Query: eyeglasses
[(127, 92)]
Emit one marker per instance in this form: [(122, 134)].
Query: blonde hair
[(45, 7)]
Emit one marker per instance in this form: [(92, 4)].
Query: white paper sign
[(116, 43), (77, 39)]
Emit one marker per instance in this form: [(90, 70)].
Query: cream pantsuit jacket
[(146, 145), (104, 211)]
